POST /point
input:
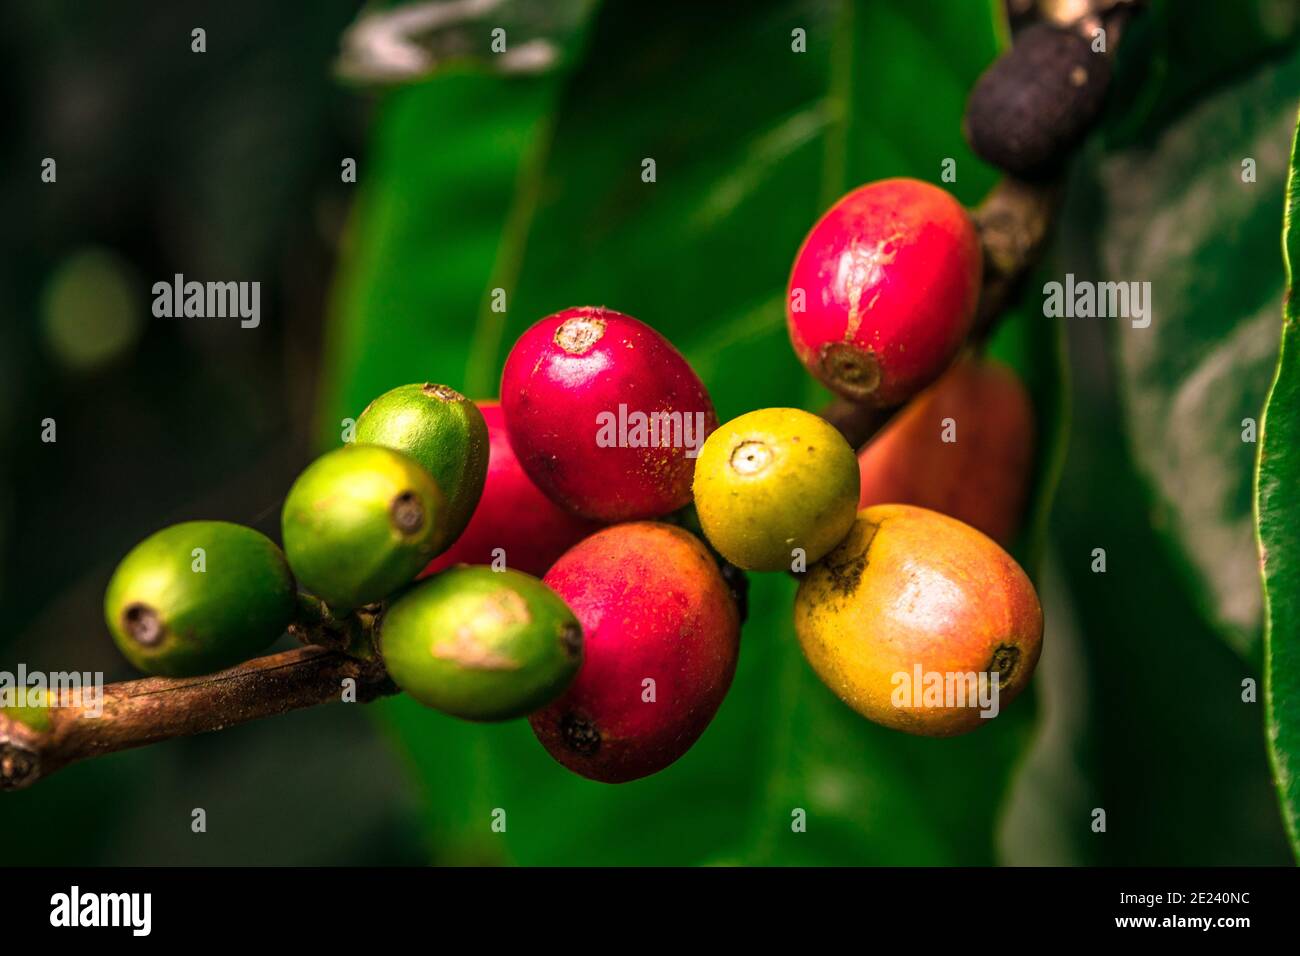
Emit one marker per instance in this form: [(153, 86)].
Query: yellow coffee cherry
[(774, 488), (910, 618)]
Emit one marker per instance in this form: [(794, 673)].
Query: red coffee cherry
[(884, 290), (963, 447), (605, 414), (513, 514), (661, 638)]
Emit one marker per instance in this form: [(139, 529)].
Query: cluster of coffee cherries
[(574, 553)]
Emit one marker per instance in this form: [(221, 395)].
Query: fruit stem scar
[(853, 371), (750, 457), (406, 512), (577, 336), (1006, 657), (442, 393), (845, 575), (580, 734), (143, 624)]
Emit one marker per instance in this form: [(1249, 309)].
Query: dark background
[(216, 165)]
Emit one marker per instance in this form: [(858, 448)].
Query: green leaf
[(438, 207), (1035, 347), (412, 41), (1166, 61), (1183, 216), (1276, 479), (751, 140)]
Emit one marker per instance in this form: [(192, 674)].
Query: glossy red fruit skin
[(512, 514), (572, 367), (890, 279), (652, 604), (982, 478)]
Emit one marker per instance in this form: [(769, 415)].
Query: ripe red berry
[(662, 635), (884, 290), (513, 515), (604, 414), (963, 447)]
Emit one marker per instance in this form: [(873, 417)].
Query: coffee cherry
[(34, 709), (528, 528), (772, 481), (1037, 101), (688, 519), (198, 597), (911, 598), (661, 641), (884, 290), (360, 522), (981, 475), (602, 412), (442, 430), (481, 644)]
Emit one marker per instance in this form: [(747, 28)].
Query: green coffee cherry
[(360, 522), (481, 644), (441, 429), (198, 597), (33, 712)]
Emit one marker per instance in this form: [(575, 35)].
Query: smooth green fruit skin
[(339, 533), (212, 619), (774, 480), (33, 714), (441, 429), (481, 644)]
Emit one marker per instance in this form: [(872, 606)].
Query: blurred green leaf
[(1184, 216), (1279, 535), (751, 140), (1173, 753), (1052, 794), (437, 207), (411, 41), (1175, 51), (1034, 346)]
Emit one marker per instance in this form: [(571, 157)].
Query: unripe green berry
[(33, 711), (773, 481), (481, 644), (443, 431), (197, 597), (360, 522)]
